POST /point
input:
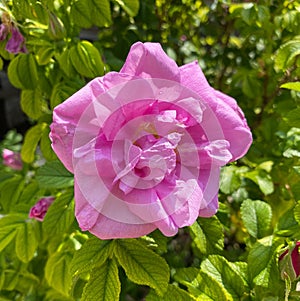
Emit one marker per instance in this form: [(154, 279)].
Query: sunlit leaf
[(104, 284), (138, 263), (257, 216)]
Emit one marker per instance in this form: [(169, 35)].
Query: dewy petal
[(148, 60), (209, 180), (89, 219), (67, 115), (182, 207), (229, 116), (211, 209)]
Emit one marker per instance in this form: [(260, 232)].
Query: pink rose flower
[(39, 210), (146, 145), (12, 159)]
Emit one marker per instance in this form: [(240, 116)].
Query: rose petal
[(104, 227), (231, 121), (148, 60)]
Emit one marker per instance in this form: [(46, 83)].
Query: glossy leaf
[(208, 235), (104, 284), (57, 272), (218, 268), (54, 175), (130, 6), (173, 293), (32, 103), (26, 242), (93, 253), (257, 216), (137, 261), (60, 215), (86, 59), (31, 141), (22, 72)]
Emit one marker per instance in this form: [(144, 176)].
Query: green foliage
[(247, 49), (104, 283), (54, 175), (257, 216), (137, 261)]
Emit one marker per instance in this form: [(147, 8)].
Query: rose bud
[(12, 159), (56, 27), (289, 262), (39, 210)]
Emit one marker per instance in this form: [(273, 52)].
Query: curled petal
[(225, 109), (149, 60)]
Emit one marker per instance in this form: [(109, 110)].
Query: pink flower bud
[(12, 159), (16, 43), (289, 262), (39, 210)]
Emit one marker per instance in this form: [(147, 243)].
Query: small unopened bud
[(39, 210), (289, 263), (56, 27), (12, 159)]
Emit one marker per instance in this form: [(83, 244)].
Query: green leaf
[(45, 146), (262, 261), (11, 279), (209, 289), (291, 86), (173, 293), (29, 192), (44, 55), (218, 267), (94, 252), (251, 85), (31, 140), (262, 179), (293, 118), (57, 272), (32, 103), (9, 225), (230, 181), (85, 13), (26, 242), (10, 192), (81, 13), (208, 235), (1, 63), (130, 6), (297, 212), (64, 90), (22, 72), (60, 215), (65, 63), (54, 175), (141, 265), (287, 53), (241, 268), (104, 284), (287, 224), (86, 59), (187, 277), (256, 216)]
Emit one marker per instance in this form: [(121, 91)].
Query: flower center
[(148, 161)]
